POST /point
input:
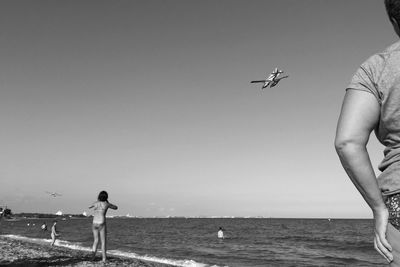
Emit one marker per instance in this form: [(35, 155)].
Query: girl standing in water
[(54, 233), (99, 226)]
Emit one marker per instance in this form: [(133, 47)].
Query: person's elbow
[(346, 146)]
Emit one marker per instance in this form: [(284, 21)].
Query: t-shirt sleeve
[(367, 76)]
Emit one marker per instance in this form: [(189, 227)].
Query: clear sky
[(151, 100)]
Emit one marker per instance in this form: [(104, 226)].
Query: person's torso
[(383, 69)]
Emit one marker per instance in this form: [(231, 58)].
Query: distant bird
[(272, 79), (53, 194)]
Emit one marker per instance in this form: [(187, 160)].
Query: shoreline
[(15, 252)]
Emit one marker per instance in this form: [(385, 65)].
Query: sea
[(193, 241)]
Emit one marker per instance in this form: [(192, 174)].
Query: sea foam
[(117, 253)]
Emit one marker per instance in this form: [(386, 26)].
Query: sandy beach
[(25, 253)]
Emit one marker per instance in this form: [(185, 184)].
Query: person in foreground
[(372, 102), (99, 226)]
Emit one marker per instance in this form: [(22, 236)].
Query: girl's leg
[(103, 238), (95, 240), (53, 239)]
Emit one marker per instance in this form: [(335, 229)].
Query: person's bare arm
[(112, 206), (359, 116)]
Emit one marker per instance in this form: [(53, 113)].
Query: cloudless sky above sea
[(151, 100)]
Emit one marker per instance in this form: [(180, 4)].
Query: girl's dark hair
[(103, 196), (393, 9)]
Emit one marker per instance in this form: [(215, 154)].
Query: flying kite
[(272, 79), (54, 194)]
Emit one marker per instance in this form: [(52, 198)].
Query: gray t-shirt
[(380, 75)]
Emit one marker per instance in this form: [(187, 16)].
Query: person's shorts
[(393, 204)]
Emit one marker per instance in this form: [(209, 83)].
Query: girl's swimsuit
[(98, 219), (98, 226), (393, 204)]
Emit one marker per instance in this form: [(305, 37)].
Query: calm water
[(250, 242)]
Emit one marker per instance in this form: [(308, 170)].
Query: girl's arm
[(112, 206), (359, 116), (92, 206), (54, 231)]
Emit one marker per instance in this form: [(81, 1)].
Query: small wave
[(329, 241), (345, 260), (28, 239), (117, 253), (183, 263)]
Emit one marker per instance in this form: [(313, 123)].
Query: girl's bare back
[(100, 210)]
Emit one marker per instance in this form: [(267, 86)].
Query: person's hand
[(380, 243)]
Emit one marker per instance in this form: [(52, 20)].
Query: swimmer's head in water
[(103, 196)]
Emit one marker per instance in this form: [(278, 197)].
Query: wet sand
[(25, 253)]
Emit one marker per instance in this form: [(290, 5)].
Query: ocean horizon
[(83, 215)]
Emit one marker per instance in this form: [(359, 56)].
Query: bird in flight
[(53, 194), (272, 80)]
